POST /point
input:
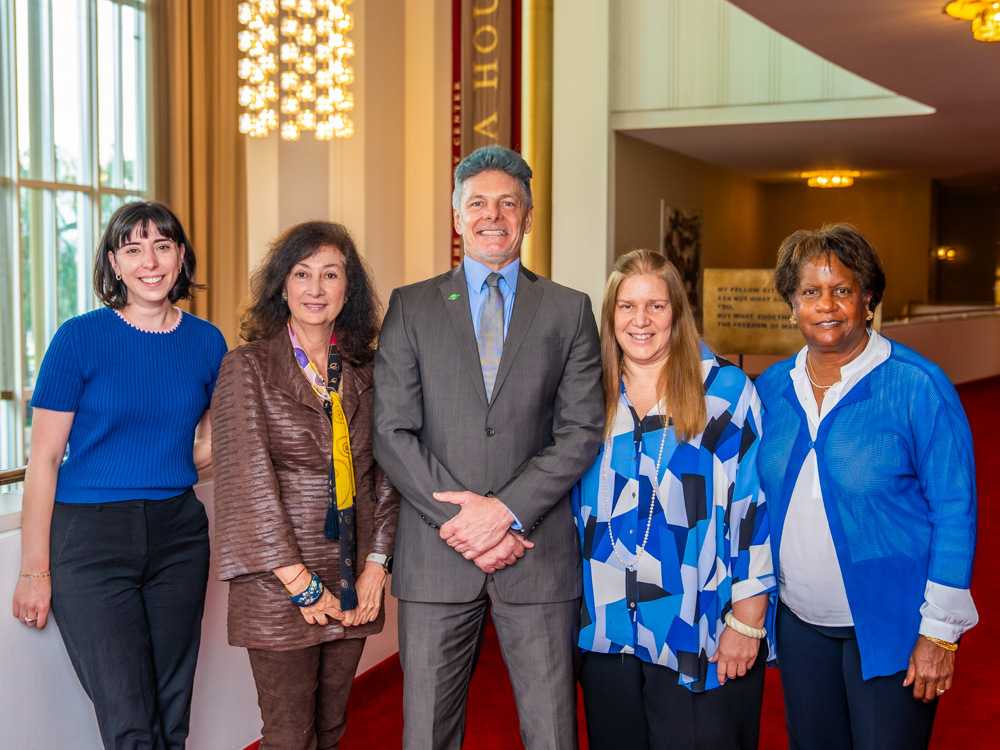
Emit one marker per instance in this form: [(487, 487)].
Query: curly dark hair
[(266, 311), (111, 290), (846, 243)]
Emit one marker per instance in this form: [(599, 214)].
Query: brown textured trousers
[(303, 693)]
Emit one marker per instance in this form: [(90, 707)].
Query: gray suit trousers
[(439, 645)]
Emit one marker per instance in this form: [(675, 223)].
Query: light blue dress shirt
[(475, 279)]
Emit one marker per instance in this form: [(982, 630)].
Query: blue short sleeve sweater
[(138, 397)]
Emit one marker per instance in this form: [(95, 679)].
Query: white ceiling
[(908, 46)]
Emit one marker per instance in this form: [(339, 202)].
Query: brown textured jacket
[(271, 447)]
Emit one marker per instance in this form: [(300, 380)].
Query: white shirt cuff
[(947, 612)]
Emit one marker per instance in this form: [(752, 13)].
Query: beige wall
[(384, 151), (582, 186), (894, 214), (744, 221), (731, 204)]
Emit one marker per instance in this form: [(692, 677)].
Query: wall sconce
[(984, 14), (946, 253), (831, 178)]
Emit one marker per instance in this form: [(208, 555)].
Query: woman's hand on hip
[(369, 587), (931, 670), (327, 606), (735, 655), (32, 600)]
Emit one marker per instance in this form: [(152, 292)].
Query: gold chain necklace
[(809, 374), (652, 503)]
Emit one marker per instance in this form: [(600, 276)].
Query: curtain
[(199, 163)]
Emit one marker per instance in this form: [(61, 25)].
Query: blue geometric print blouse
[(708, 541)]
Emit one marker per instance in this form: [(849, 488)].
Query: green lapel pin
[(454, 296)]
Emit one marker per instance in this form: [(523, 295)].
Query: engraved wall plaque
[(742, 313)]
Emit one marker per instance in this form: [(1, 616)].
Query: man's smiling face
[(492, 218)]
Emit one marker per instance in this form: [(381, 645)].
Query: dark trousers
[(439, 644), (128, 593), (634, 705), (828, 706), (303, 693)]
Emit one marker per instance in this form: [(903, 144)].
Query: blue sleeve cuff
[(517, 523)]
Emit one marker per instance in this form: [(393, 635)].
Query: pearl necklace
[(652, 503)]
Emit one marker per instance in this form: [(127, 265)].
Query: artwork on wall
[(680, 232)]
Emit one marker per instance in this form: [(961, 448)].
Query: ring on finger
[(940, 691)]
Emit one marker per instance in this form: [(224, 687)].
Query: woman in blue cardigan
[(867, 465)]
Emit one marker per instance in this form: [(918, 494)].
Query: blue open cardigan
[(898, 478)]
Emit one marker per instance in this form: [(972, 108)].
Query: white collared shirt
[(810, 581)]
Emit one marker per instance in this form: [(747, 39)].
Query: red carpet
[(964, 719)]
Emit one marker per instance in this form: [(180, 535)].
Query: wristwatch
[(384, 560)]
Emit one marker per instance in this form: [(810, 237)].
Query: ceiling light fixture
[(831, 178), (984, 14), (297, 51)]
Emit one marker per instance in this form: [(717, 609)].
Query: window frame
[(15, 392)]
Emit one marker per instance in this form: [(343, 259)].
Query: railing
[(12, 476), (949, 313)]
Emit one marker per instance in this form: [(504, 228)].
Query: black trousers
[(828, 706), (303, 693), (634, 705), (128, 593)]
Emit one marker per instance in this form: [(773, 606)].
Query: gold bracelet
[(947, 646), (43, 574)]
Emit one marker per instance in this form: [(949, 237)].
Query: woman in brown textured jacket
[(299, 499)]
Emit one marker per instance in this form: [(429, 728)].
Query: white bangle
[(743, 628)]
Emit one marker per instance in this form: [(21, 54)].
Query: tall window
[(73, 125)]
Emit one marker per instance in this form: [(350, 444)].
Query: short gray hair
[(488, 158)]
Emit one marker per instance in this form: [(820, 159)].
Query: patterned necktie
[(490, 338)]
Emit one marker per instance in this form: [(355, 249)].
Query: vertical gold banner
[(487, 73)]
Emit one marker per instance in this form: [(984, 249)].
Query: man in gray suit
[(488, 408)]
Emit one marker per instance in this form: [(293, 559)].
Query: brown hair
[(141, 214), (357, 325), (843, 241), (681, 383)]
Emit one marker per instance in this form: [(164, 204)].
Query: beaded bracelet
[(43, 574), (311, 594), (946, 645), (743, 628)]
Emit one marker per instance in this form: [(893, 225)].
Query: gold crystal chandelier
[(309, 72), (984, 14)]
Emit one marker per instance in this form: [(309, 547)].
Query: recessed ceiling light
[(831, 178)]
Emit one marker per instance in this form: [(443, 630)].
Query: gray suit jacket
[(436, 431)]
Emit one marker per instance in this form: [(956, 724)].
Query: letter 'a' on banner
[(486, 81)]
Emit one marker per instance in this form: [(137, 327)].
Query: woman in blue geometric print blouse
[(867, 465), (675, 628)]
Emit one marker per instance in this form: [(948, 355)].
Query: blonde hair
[(681, 383)]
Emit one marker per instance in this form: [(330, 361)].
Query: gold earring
[(792, 320), (871, 315), (118, 276), (284, 295)]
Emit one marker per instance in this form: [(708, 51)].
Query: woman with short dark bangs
[(305, 520), (114, 541), (866, 461)]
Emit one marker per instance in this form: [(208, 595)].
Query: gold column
[(536, 128)]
